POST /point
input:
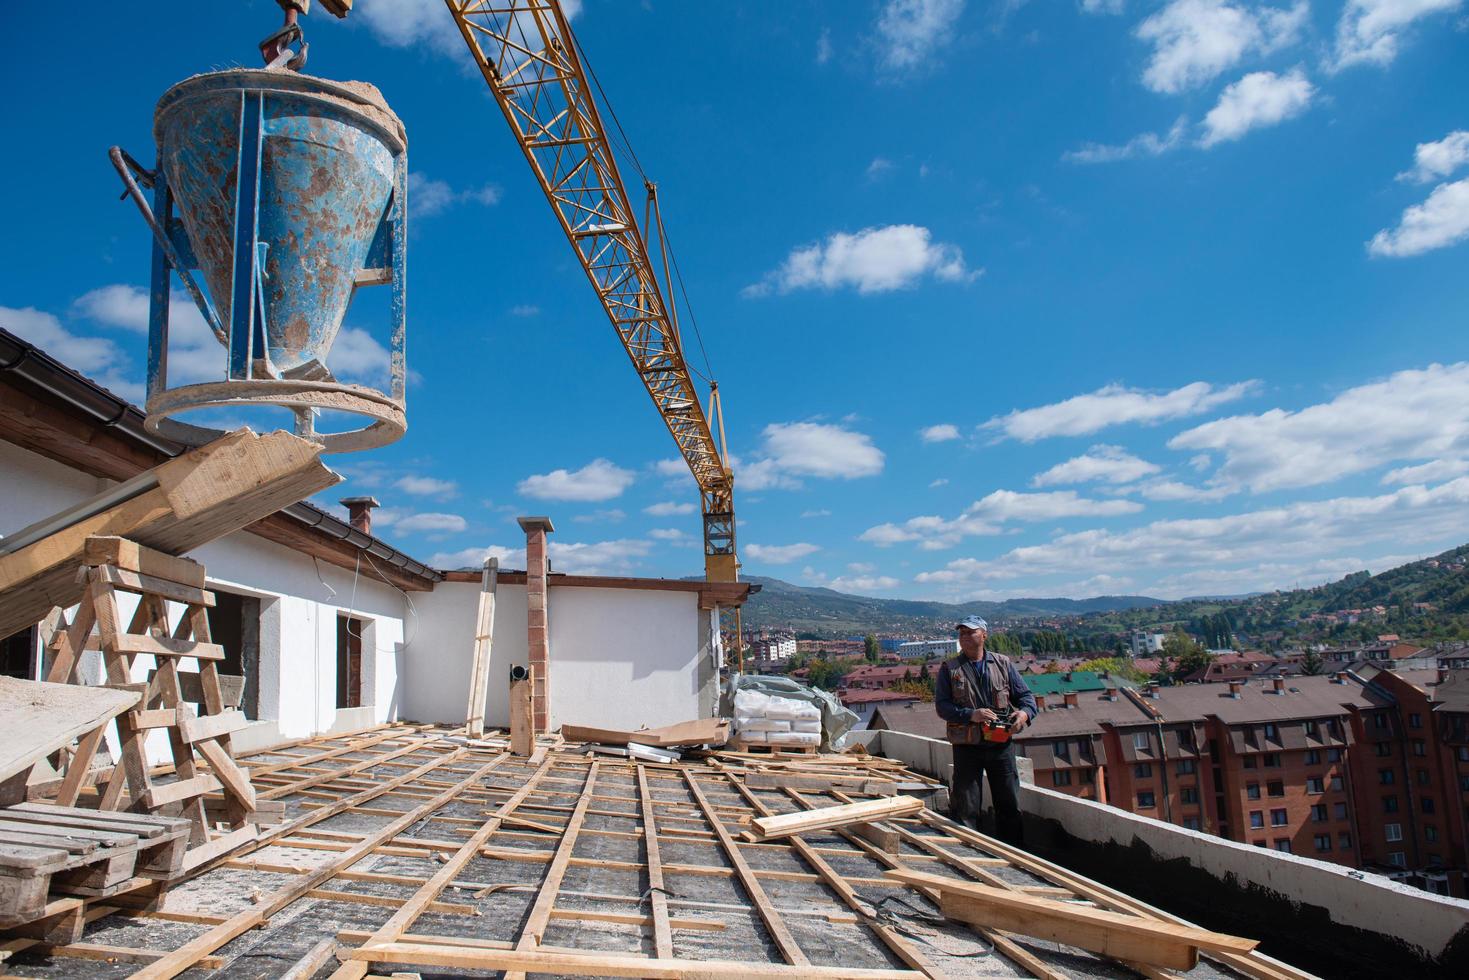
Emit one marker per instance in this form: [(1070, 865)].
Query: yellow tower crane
[(529, 58)]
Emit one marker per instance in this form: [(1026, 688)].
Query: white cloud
[(1201, 462), (879, 168), (1261, 98), (820, 512), (779, 554), (1172, 490), (475, 557), (1115, 405), (610, 516), (673, 469), (426, 486), (939, 433), (599, 480), (599, 557), (861, 567), (408, 23), (667, 534), (96, 357), (986, 517), (1440, 221), (525, 309), (1141, 145), (940, 482), (911, 32), (1369, 31), (823, 46), (1414, 414), (117, 306), (1102, 6), (428, 197), (669, 508), (430, 523), (873, 260), (1210, 549), (1436, 160), (863, 584), (1429, 472), (1108, 464), (790, 450), (1196, 40), (356, 355)]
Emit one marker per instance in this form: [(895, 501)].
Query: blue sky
[(1015, 298)]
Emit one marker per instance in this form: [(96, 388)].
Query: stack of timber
[(48, 851), (176, 506)]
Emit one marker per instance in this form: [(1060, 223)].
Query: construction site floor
[(417, 836)]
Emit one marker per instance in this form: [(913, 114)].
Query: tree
[(1120, 666), (870, 647), (1186, 653), (1312, 664), (923, 675)]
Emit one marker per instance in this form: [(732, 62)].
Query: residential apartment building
[(928, 649)]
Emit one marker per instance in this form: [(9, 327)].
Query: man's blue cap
[(972, 623)]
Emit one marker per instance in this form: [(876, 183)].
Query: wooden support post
[(522, 713), (484, 632)]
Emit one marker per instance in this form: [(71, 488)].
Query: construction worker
[(985, 702)]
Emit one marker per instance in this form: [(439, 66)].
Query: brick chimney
[(1110, 694), (538, 639), (1040, 701), (1234, 689), (1279, 685), (1071, 700), (359, 512)]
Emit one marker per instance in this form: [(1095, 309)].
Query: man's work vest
[(967, 694)]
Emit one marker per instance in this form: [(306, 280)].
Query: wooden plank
[(704, 731), (316, 957), (484, 634), (154, 718), (825, 818), (167, 646), (662, 937), (141, 824), (1253, 964), (427, 893), (128, 581), (598, 964), (236, 782), (124, 553), (522, 715), (1125, 937), (763, 906), (907, 951), (162, 794), (38, 717), (188, 954), (821, 784), (539, 917)]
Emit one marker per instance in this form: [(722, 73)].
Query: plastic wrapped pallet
[(751, 697), (793, 738)]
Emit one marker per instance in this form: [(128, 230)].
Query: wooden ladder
[(110, 565)]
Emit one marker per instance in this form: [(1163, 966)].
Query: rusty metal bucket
[(289, 192)]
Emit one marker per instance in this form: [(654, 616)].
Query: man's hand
[(1019, 720), (983, 716)]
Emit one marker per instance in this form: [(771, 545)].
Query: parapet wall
[(1312, 914)]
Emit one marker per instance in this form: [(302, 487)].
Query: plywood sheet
[(37, 718)]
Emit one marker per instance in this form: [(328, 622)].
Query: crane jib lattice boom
[(526, 53)]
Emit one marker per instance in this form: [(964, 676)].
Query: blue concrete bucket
[(325, 175)]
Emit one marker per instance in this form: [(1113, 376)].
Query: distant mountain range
[(782, 604)]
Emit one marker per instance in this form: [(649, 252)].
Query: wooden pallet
[(764, 748), (48, 850)]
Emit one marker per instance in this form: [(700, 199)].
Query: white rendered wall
[(623, 658), (620, 658), (441, 648)]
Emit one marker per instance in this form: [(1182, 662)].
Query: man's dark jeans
[(971, 763)]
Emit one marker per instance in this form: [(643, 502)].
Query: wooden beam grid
[(537, 816)]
